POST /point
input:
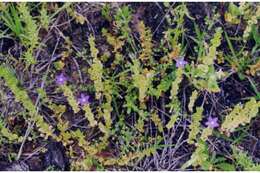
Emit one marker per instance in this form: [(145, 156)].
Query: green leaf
[(226, 167), (233, 9), (256, 34)]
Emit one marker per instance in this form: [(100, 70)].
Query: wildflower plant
[(83, 99), (61, 79), (212, 122), (180, 62)]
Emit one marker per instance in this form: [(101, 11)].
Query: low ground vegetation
[(129, 86)]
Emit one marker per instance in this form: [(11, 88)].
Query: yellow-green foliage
[(5, 132), (64, 135), (44, 18), (175, 103), (172, 121), (107, 106), (30, 37), (43, 96), (140, 122), (12, 83), (96, 69), (62, 125), (102, 143), (83, 143), (206, 133), (79, 18), (70, 97), (142, 80), (43, 127), (93, 49), (165, 84), (116, 42), (125, 159), (157, 121), (107, 115), (249, 12), (80, 165), (103, 128), (89, 115), (80, 137), (193, 98), (122, 20), (30, 24), (215, 42), (240, 115), (195, 125), (252, 16), (205, 76), (243, 160), (179, 12), (22, 96), (2, 6), (90, 149), (233, 14), (146, 42), (199, 157), (176, 83)]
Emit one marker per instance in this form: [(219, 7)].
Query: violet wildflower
[(180, 62), (61, 79), (212, 122), (83, 99)]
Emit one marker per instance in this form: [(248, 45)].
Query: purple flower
[(212, 122), (83, 99), (180, 62), (61, 79)]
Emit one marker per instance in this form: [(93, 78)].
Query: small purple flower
[(61, 79), (83, 99), (180, 62), (212, 122)]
